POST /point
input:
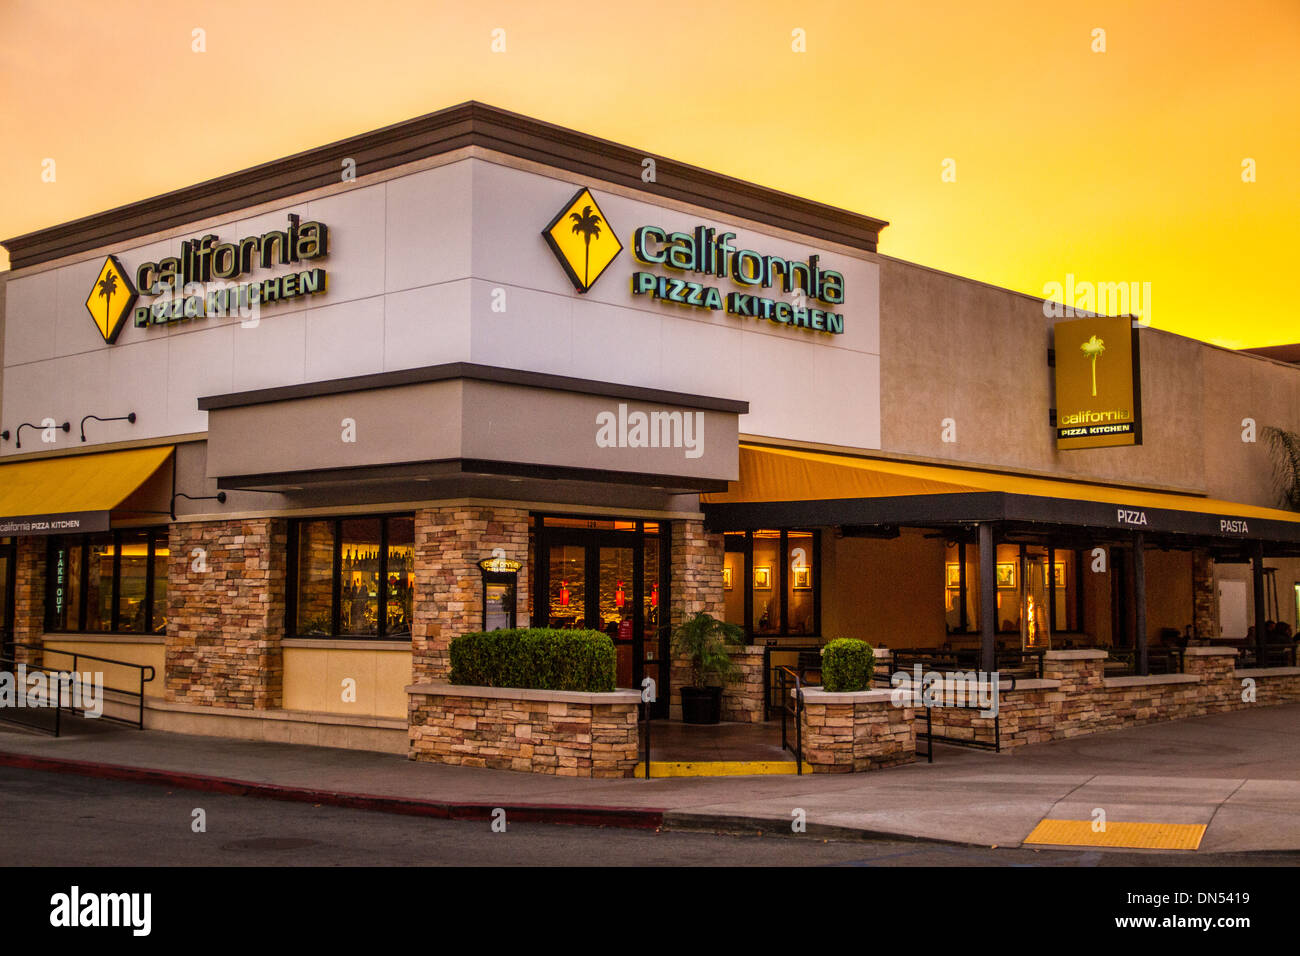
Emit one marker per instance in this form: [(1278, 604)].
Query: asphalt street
[(55, 819)]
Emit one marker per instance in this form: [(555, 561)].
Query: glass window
[(115, 582), (158, 605), (6, 594), (401, 575), (799, 583), (353, 577), (770, 582), (567, 585), (359, 596), (133, 557), (315, 578), (766, 588), (99, 584)]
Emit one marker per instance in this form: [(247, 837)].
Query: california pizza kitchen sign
[(209, 278), (790, 293)]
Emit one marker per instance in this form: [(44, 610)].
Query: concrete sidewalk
[(1237, 773)]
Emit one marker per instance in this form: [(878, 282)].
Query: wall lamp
[(130, 417), (219, 498), (18, 434)]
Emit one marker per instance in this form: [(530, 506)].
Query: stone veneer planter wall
[(1075, 697), (845, 732), (565, 733), (742, 699), (865, 731)]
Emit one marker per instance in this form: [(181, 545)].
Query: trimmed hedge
[(536, 658), (847, 665)]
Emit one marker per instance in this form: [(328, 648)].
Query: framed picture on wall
[(726, 579), (953, 575), (763, 577), (1007, 575), (802, 578), (1058, 575)]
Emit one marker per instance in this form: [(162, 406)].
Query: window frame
[(82, 543), (745, 546), (336, 579)]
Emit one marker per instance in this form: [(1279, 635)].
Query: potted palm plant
[(702, 641)]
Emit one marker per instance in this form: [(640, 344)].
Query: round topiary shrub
[(847, 665)]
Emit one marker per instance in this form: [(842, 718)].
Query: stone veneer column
[(1205, 597), (225, 613), (696, 581), (29, 598), (450, 541), (696, 571)]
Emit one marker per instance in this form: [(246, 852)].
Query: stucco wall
[(955, 348)]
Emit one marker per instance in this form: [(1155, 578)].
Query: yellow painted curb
[(1136, 836), (718, 768)]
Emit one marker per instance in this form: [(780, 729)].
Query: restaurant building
[(262, 433)]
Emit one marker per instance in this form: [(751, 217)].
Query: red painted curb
[(634, 818)]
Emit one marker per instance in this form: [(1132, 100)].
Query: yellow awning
[(48, 489), (787, 474)]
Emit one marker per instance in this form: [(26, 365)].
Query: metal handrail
[(144, 669), (769, 673), (782, 670), (8, 663)]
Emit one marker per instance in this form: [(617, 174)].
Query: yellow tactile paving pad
[(1135, 836), (717, 768)]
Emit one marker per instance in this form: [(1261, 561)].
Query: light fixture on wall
[(18, 433), (128, 417)]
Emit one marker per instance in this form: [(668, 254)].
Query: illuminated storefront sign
[(201, 282), (1098, 397), (584, 243), (710, 253)]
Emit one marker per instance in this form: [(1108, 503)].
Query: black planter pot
[(701, 705)]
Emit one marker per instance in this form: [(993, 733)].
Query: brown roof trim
[(454, 468), (468, 124), (1280, 353), (477, 373)]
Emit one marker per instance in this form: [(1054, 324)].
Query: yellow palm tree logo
[(107, 286), (586, 225), (1093, 349)]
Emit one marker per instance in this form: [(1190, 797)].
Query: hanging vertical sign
[(1098, 391)]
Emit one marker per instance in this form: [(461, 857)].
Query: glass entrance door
[(608, 576)]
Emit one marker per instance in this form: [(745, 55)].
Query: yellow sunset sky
[(1115, 166)]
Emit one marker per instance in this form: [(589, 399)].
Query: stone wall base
[(567, 735), (864, 731)]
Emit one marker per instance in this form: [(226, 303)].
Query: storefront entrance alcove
[(609, 575)]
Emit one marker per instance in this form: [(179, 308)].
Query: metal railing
[(945, 664), (1122, 661), (770, 675), (784, 675), (1275, 655), (1011, 663), (29, 699), (145, 674)]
